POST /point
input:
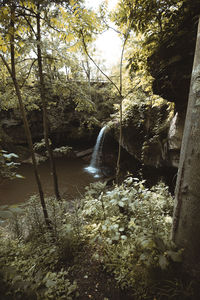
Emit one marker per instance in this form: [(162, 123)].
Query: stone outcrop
[(65, 129), (172, 60), (70, 124), (145, 134), (175, 134), (151, 135)]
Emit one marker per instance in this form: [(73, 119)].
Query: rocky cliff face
[(171, 63), (171, 67), (151, 143), (68, 125), (65, 127), (175, 134), (152, 135)]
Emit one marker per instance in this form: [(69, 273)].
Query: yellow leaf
[(5, 11), (72, 2), (17, 54), (21, 44), (4, 48)]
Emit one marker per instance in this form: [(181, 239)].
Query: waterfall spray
[(94, 167)]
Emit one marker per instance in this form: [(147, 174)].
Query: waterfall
[(94, 167)]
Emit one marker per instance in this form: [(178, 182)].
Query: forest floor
[(94, 282)]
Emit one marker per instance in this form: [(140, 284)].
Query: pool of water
[(72, 179)]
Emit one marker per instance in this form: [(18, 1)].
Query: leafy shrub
[(129, 228), (29, 270), (32, 258), (63, 151), (40, 146), (8, 166), (126, 227), (64, 224)]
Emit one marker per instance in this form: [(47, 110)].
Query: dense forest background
[(114, 241)]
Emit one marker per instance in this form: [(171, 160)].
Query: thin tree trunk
[(186, 221), (121, 107), (119, 90), (12, 72), (43, 99)]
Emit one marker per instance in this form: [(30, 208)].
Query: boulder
[(84, 153), (175, 132), (175, 137)]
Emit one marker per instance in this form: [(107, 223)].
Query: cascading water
[(94, 167)]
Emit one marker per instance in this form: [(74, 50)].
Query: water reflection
[(71, 178)]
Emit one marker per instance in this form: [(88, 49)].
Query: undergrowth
[(35, 263), (127, 229)]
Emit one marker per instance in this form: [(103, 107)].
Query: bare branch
[(23, 60), (6, 64), (85, 48), (32, 13), (29, 72), (110, 27), (30, 25)]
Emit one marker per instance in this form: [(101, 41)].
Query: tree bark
[(186, 220), (43, 99), (12, 72)]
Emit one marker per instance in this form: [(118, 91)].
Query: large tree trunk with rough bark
[(186, 222)]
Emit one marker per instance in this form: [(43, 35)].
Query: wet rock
[(84, 153), (175, 132), (87, 158), (175, 138)]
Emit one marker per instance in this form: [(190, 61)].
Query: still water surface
[(72, 180)]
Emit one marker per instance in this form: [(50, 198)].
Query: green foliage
[(129, 228), (148, 16), (126, 229), (28, 268), (62, 69), (8, 165), (32, 258), (59, 287), (86, 105), (40, 146), (63, 151), (157, 25)]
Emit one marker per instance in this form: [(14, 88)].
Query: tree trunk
[(121, 107), (12, 72), (186, 222), (43, 99)]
